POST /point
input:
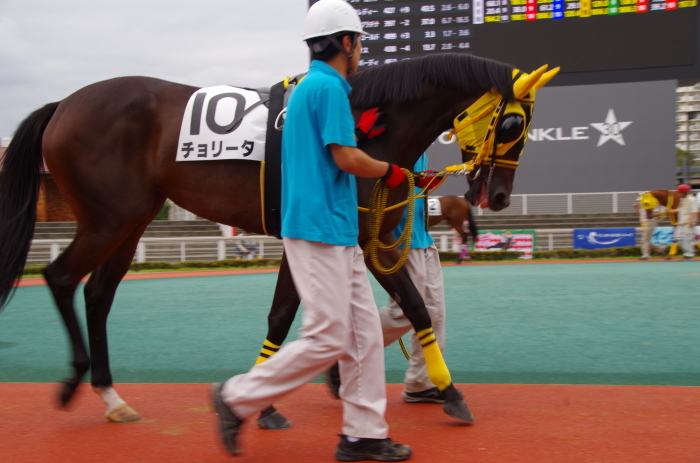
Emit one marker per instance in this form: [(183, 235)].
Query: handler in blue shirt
[(319, 229), (423, 266)]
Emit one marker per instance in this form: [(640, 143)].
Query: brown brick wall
[(51, 207)]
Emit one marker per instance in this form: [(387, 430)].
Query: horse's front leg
[(285, 304), (401, 288)]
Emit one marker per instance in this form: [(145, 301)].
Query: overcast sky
[(51, 48)]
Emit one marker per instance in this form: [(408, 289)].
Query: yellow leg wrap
[(673, 250), (437, 369), (267, 351)]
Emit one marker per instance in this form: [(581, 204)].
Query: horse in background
[(668, 199), (455, 211)]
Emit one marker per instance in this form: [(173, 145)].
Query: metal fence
[(567, 203), (197, 249), (175, 250), (557, 203)]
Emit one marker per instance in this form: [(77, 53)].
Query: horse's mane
[(402, 81)]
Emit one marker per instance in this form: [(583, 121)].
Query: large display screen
[(579, 36)]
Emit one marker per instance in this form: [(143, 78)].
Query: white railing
[(567, 203), (530, 204), (196, 249), (176, 250)]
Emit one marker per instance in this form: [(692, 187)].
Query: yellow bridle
[(476, 127), (649, 201)]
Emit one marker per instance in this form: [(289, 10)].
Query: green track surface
[(586, 323)]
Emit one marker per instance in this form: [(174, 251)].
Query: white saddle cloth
[(434, 207), (208, 132)]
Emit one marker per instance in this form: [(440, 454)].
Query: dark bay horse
[(110, 148)]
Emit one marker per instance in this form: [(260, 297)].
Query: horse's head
[(492, 133)]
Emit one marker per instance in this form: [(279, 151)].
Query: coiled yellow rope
[(404, 350), (375, 217)]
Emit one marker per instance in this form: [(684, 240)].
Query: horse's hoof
[(122, 414), (66, 392), (458, 409), (273, 420), (455, 406)]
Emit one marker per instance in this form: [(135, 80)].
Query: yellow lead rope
[(377, 209), (375, 217)]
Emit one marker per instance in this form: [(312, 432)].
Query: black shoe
[(229, 424), (429, 396), (371, 449), (687, 258), (273, 420)]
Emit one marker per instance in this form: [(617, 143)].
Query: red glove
[(394, 176), (428, 179), (367, 125)]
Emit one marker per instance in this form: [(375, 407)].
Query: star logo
[(611, 129)]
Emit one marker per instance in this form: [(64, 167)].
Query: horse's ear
[(544, 80), (526, 82)]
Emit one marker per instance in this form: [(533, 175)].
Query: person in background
[(319, 229), (687, 220), (647, 222), (463, 254), (424, 268)]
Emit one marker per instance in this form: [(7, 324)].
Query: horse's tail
[(19, 190)]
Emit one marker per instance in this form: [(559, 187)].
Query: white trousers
[(685, 235), (340, 323), (647, 232), (423, 266)]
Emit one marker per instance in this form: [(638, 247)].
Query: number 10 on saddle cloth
[(223, 122)]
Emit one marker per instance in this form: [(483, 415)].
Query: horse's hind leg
[(82, 256), (285, 304), (99, 295)]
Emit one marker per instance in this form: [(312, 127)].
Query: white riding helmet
[(327, 17)]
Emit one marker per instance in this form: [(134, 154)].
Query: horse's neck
[(420, 123)]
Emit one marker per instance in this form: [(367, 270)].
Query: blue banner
[(663, 236), (597, 238)]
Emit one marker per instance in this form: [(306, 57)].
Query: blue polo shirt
[(319, 201), (420, 238)]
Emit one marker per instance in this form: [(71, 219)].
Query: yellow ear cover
[(648, 201), (437, 369), (267, 351)]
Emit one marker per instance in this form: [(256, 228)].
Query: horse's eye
[(510, 129)]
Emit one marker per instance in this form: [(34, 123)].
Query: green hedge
[(482, 256), (478, 256), (229, 263), (34, 270), (631, 251)]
